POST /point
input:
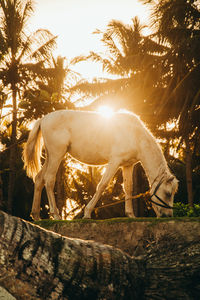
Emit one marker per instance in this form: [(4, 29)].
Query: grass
[(48, 223)]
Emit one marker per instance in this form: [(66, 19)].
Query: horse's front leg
[(109, 173), (128, 189)]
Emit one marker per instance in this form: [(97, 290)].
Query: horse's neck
[(153, 161)]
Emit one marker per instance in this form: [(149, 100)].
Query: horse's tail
[(32, 151)]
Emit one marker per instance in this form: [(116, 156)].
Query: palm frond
[(26, 47), (99, 87), (79, 59), (45, 42), (118, 31), (32, 44), (111, 46), (3, 45), (27, 11)]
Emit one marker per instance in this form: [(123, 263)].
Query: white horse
[(119, 141)]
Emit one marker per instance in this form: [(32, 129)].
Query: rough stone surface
[(39, 264), (4, 295), (168, 252), (131, 236)]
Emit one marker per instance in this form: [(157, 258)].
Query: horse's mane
[(163, 169)]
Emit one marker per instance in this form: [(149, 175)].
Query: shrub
[(184, 210)]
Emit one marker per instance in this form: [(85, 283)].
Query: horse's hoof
[(130, 215), (86, 217), (35, 217), (57, 217)]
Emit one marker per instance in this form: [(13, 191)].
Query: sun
[(106, 111)]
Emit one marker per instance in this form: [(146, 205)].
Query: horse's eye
[(168, 194)]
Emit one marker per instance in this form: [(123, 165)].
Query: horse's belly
[(89, 157), (91, 144)]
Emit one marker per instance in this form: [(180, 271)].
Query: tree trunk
[(1, 181), (13, 148), (188, 163), (1, 193), (59, 188), (39, 264), (1, 186), (140, 185)]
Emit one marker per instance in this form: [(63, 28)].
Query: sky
[(74, 21)]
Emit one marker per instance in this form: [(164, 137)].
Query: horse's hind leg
[(39, 184), (49, 181), (109, 173), (128, 188)]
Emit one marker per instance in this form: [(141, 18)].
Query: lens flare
[(106, 111)]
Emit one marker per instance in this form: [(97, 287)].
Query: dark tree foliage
[(22, 57)]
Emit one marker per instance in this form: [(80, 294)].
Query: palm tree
[(49, 91), (133, 58), (22, 56), (176, 23), (135, 61)]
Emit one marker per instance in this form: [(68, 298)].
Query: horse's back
[(89, 136)]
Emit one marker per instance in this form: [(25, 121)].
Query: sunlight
[(71, 209), (73, 39), (106, 111), (170, 125)]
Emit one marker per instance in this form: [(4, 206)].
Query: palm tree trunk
[(188, 162), (139, 186), (135, 191), (39, 264), (92, 179), (1, 181), (1, 192), (59, 186), (13, 148)]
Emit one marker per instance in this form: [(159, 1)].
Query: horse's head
[(163, 196)]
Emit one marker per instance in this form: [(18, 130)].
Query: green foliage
[(184, 210), (159, 76), (134, 58), (48, 92), (37, 103), (22, 57), (23, 188)]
